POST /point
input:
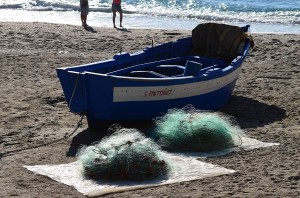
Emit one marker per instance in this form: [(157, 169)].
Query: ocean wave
[(11, 6), (213, 10)]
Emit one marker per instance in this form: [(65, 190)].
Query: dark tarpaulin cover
[(217, 40)]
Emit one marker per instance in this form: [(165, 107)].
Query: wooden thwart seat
[(147, 74)]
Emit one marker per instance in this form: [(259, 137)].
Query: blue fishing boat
[(200, 70)]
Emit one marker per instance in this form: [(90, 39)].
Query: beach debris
[(189, 129), (126, 154)]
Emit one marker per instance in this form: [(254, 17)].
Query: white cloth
[(185, 167)]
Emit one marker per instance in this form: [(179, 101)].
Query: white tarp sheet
[(185, 167)]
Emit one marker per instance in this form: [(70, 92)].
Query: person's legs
[(114, 18), (121, 18), (84, 12), (83, 19)]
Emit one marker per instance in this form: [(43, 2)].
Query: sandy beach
[(35, 119)]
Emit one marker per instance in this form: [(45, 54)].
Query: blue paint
[(144, 85)]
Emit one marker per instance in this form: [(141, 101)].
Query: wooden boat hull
[(111, 97), (147, 110)]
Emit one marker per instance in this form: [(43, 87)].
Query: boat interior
[(175, 67), (185, 57)]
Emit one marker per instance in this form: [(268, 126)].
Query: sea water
[(278, 16)]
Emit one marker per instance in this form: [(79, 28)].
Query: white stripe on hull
[(154, 93)]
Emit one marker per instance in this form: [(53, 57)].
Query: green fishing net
[(189, 129), (126, 154)]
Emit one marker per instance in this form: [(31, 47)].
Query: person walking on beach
[(84, 9), (116, 7)]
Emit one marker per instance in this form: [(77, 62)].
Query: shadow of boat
[(85, 137), (247, 112), (251, 113), (89, 136)]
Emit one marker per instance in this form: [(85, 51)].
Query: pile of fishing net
[(126, 154), (189, 129)]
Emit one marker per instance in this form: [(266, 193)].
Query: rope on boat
[(73, 93), (74, 90), (66, 136)]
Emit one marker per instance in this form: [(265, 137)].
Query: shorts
[(116, 7), (84, 10)]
